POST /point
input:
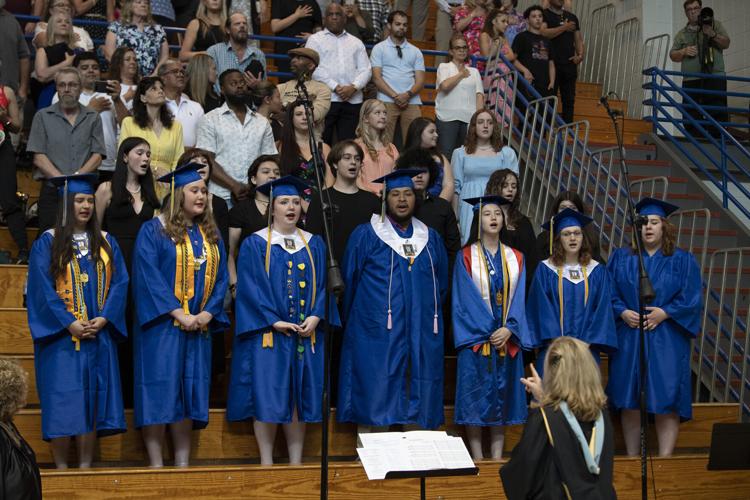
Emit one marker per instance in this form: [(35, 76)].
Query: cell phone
[(101, 86)]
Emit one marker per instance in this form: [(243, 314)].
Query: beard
[(236, 99)]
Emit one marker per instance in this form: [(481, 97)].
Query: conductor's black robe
[(19, 474)]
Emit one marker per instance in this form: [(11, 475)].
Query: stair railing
[(652, 187), (597, 33), (623, 58)]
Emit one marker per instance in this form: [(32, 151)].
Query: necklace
[(131, 191)]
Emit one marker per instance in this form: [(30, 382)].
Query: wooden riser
[(222, 440), (675, 478), (12, 279), (14, 332), (7, 243)]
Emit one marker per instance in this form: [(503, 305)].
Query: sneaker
[(23, 257)]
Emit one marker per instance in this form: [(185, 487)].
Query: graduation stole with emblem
[(69, 287), (573, 276), (184, 283)]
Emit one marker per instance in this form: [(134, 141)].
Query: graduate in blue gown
[(396, 274), (179, 282), (571, 293), (672, 320), (279, 344), (77, 289), (489, 330)]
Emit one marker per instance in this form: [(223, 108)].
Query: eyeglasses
[(175, 72), (399, 51), (568, 234), (461, 47)]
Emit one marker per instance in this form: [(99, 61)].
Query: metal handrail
[(598, 34), (623, 58)]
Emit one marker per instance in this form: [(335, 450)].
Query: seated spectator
[(236, 52), (423, 135), (460, 95), (469, 21), (66, 138), (201, 78), (59, 53), (533, 54), (294, 151), (136, 29), (205, 30), (380, 155), (80, 35), (378, 10), (123, 67), (185, 110), (358, 22), (303, 62), (293, 19), (153, 121), (267, 103), (101, 11)]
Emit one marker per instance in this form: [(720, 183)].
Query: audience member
[(184, 110), (517, 22), (378, 11), (460, 95), (267, 103), (205, 30), (533, 52), (235, 135), (20, 475), (493, 44), (358, 22), (123, 67), (469, 21), (380, 155), (14, 56), (100, 11), (563, 30), (66, 138), (82, 39), (303, 62), (398, 73), (569, 199), (423, 135), (15, 218), (57, 54), (237, 53), (482, 154), (163, 12), (419, 13), (201, 82), (258, 12), (444, 14), (300, 18), (136, 29), (345, 68)]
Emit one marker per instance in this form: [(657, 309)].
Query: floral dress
[(516, 24), (471, 33), (146, 43), (499, 90)]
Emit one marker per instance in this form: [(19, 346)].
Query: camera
[(707, 16)]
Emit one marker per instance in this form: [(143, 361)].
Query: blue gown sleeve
[(516, 320), (255, 309), (599, 326), (117, 297), (154, 296), (545, 311), (686, 309), (352, 264), (618, 301), (441, 265), (47, 314), (215, 303), (473, 323), (318, 249)]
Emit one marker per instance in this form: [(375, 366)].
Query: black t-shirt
[(246, 216), (285, 8), (349, 211), (563, 45), (534, 52)]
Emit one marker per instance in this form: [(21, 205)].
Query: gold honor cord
[(506, 286), (184, 286), (560, 292)]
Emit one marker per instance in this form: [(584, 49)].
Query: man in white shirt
[(236, 135), (185, 111), (345, 68)]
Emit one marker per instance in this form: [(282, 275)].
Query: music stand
[(424, 474)]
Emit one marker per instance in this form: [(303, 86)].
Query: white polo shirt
[(188, 113)]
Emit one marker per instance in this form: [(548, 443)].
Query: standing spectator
[(459, 85), (398, 73), (493, 45), (184, 110), (57, 54), (444, 14), (163, 12), (378, 11), (345, 68), (14, 56), (100, 11), (123, 68), (481, 155), (201, 79), (699, 48), (533, 52), (469, 21), (205, 30), (358, 22), (563, 30), (258, 12), (82, 38), (517, 22), (153, 121), (419, 12), (235, 135), (66, 138), (136, 29), (423, 135), (380, 155), (267, 103), (299, 18), (303, 63), (237, 53)]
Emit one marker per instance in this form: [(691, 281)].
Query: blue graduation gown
[(489, 389), (392, 376), (79, 391), (677, 283), (269, 383), (172, 368), (590, 321)]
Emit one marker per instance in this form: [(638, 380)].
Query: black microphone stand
[(645, 289), (335, 283)]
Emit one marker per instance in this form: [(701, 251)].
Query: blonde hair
[(13, 389), (51, 33), (202, 16), (197, 77), (571, 375), (176, 226), (126, 14), (367, 133)]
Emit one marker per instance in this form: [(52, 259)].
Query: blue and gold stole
[(184, 282)]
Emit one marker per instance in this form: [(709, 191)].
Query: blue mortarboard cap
[(288, 185), (486, 200), (183, 174), (652, 206), (567, 218), (400, 178), (77, 184)]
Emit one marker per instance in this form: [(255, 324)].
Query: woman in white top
[(82, 38), (458, 86)]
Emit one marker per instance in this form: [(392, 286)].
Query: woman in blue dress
[(489, 330), (278, 353), (570, 294), (179, 282), (672, 320), (77, 289), (474, 162)]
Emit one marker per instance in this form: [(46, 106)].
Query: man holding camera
[(699, 48)]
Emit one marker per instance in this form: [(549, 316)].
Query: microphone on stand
[(604, 101)]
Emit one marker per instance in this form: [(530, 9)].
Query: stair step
[(7, 243), (14, 332), (12, 279), (588, 89)]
